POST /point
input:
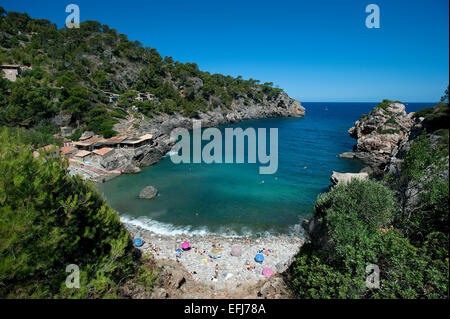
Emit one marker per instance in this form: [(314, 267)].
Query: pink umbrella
[(185, 245), (267, 272)]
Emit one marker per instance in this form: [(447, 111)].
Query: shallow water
[(209, 198)]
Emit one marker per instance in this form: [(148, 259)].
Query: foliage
[(355, 229), (71, 68), (50, 220), (420, 170), (403, 229), (436, 117)]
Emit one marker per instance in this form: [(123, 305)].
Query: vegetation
[(50, 220), (436, 117), (356, 229), (399, 224), (71, 68)]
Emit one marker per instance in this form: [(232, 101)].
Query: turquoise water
[(209, 198)]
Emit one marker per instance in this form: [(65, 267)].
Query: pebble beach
[(210, 252)]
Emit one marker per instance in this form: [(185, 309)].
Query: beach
[(278, 252)]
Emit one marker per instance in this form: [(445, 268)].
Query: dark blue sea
[(209, 198)]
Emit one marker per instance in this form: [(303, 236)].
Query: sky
[(315, 50)]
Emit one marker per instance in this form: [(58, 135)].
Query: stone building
[(10, 71)]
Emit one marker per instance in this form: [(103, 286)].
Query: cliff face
[(381, 133)]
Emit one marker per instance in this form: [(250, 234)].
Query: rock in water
[(338, 178), (148, 193), (131, 169), (347, 155)]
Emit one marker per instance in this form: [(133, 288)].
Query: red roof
[(116, 139), (67, 149), (103, 151), (93, 140), (82, 154)]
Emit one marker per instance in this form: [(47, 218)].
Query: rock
[(273, 287), (61, 119), (148, 193), (367, 170), (349, 155), (279, 267), (159, 293), (131, 169), (86, 135), (380, 134), (338, 178)]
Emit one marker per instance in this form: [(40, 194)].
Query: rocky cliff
[(381, 133), (385, 138)]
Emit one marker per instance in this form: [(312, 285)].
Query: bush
[(50, 220), (354, 228)]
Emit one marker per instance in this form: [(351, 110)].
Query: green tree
[(50, 220)]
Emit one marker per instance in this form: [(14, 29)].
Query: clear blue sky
[(314, 50)]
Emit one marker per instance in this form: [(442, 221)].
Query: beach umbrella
[(259, 258), (138, 242), (185, 245), (236, 251), (267, 272)]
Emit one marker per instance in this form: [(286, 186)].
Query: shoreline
[(232, 272), (162, 125)]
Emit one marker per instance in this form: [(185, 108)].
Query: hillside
[(92, 77), (398, 224)]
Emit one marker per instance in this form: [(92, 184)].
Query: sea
[(235, 199)]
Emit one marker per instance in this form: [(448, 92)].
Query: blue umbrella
[(259, 258), (138, 242)]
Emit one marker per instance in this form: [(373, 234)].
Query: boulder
[(338, 178), (273, 288), (131, 169), (148, 193), (349, 155), (86, 135), (367, 170)]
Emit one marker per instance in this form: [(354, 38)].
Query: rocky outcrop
[(380, 134), (131, 169), (343, 178), (148, 193), (86, 135)]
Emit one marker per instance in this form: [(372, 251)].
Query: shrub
[(353, 230), (50, 220)]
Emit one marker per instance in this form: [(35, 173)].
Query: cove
[(209, 198)]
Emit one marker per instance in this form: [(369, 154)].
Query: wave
[(170, 153), (163, 228), (168, 229)]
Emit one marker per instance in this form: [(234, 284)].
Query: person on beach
[(248, 266), (217, 271)]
